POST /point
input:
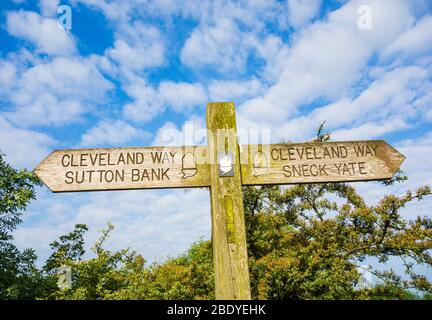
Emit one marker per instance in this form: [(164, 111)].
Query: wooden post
[(228, 227)]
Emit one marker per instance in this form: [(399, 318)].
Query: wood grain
[(318, 162), (124, 168), (228, 226)]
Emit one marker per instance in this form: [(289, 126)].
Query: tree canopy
[(19, 277)]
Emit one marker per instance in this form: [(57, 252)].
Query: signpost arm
[(228, 227)]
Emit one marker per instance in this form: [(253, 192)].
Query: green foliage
[(388, 291), (93, 278), (17, 188), (305, 246), (69, 248), (122, 274), (19, 277)]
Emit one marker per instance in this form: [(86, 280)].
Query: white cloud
[(146, 104), (326, 59), (429, 115), (415, 41), (192, 133), (393, 94), (49, 7), (112, 132), (176, 219), (57, 92), (302, 11), (249, 13), (306, 75), (44, 33), (114, 10), (156, 223), (425, 140), (168, 135), (231, 90), (370, 130), (221, 46), (390, 18), (8, 73), (182, 96), (137, 46), (23, 148), (275, 53), (151, 101)]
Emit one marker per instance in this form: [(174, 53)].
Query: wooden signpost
[(124, 168), (319, 162), (224, 166)]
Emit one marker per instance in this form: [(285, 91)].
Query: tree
[(122, 274), (19, 277), (302, 245), (92, 278), (70, 247)]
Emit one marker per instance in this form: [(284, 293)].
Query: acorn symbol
[(189, 168), (260, 164)]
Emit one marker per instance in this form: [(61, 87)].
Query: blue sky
[(134, 72)]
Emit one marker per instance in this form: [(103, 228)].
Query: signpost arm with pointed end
[(228, 226), (320, 162)]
